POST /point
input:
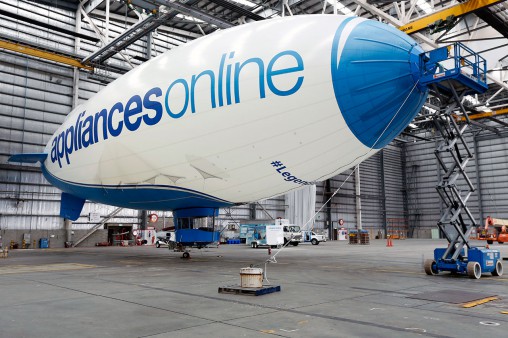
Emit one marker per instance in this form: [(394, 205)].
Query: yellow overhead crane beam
[(503, 111), (456, 11), (32, 51)]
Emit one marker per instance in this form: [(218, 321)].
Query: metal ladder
[(97, 226)]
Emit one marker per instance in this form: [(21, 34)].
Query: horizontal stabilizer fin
[(71, 206), (28, 158)]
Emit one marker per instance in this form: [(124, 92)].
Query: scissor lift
[(466, 76)]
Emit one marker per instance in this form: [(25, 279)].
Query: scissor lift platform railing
[(467, 70)]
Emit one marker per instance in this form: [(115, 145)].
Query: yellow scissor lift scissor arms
[(456, 10)]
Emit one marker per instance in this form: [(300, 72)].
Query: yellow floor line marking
[(43, 268), (130, 262), (267, 331), (479, 302)]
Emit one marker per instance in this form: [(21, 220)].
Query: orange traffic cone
[(389, 241)]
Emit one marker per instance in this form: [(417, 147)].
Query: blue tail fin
[(71, 206)]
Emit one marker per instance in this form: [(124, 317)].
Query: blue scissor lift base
[(487, 260)]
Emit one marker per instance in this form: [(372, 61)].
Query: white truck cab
[(292, 233)]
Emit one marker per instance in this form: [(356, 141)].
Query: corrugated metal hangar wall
[(396, 183), (36, 96), (488, 172)]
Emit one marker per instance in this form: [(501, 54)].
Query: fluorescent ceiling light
[(424, 6), (341, 7), (245, 3)]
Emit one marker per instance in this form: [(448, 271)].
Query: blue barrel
[(43, 243)]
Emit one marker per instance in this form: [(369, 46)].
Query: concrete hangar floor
[(330, 290)]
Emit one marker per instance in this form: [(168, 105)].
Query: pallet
[(237, 290)]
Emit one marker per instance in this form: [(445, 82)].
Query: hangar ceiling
[(480, 23)]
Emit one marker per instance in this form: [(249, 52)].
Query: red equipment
[(495, 230)]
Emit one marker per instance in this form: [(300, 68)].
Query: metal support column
[(143, 219), (328, 221), (68, 231), (106, 33), (383, 191), (478, 179), (412, 205), (358, 198), (149, 42), (252, 211)]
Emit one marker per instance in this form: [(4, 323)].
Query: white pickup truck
[(316, 239), (292, 234), (311, 236)]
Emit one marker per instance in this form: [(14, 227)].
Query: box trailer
[(264, 235)]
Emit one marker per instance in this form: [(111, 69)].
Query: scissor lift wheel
[(474, 270), (498, 271), (430, 267)]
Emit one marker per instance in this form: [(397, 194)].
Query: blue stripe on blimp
[(138, 196), (375, 82)]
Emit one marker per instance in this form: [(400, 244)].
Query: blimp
[(240, 115)]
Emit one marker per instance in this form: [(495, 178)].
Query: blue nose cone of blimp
[(375, 78)]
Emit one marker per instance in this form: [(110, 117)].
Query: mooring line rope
[(272, 258)]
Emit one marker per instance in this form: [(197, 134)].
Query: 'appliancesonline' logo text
[(148, 108)]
